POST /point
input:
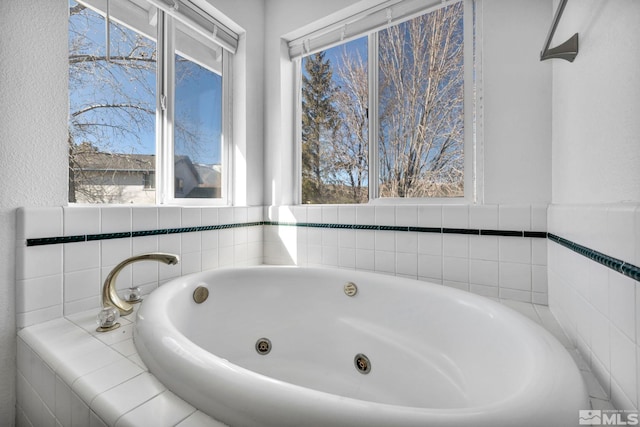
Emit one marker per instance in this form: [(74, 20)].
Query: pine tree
[(319, 121)]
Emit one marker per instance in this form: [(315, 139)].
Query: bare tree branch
[(98, 106), (421, 105), (79, 58)]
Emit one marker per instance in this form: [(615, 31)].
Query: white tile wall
[(406, 215), (63, 279), (119, 391), (430, 216), (506, 267), (598, 307), (515, 217), (59, 384), (36, 266), (455, 216), (483, 217)]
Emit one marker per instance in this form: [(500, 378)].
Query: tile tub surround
[(597, 306), (70, 375), (59, 382), (64, 254), (593, 291), (499, 251)]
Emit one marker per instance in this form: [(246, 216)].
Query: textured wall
[(33, 153), (596, 105), (596, 191), (247, 17), (516, 102)]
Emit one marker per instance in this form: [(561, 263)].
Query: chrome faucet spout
[(110, 297)]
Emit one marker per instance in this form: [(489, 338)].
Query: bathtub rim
[(519, 402)]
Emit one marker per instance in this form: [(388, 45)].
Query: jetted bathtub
[(287, 346)]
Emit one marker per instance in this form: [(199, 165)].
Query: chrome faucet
[(110, 297)]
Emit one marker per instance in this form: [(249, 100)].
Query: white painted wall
[(596, 105), (33, 149), (247, 17), (516, 102), (596, 190)]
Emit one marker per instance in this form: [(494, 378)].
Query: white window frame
[(472, 99), (155, 19), (165, 118)]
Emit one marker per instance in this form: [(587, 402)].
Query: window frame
[(472, 111), (142, 21), (165, 119)]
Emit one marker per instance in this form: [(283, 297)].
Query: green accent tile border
[(108, 236), (441, 230), (615, 264)]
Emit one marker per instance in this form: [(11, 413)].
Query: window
[(198, 119), (335, 125), (112, 110), (383, 116), (148, 99)]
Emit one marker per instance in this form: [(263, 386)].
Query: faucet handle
[(133, 295), (107, 319), (109, 295)]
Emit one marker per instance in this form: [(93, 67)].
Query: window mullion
[(297, 199), (169, 65), (473, 105), (374, 178), (160, 109), (165, 110), (227, 129)]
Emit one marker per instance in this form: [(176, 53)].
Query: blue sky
[(334, 54), (198, 100)]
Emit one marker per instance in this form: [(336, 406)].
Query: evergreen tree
[(320, 121)]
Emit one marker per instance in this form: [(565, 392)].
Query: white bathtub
[(437, 356)]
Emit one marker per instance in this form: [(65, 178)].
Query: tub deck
[(68, 371)]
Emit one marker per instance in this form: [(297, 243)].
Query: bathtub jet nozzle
[(110, 297), (350, 289), (362, 363), (263, 346)]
